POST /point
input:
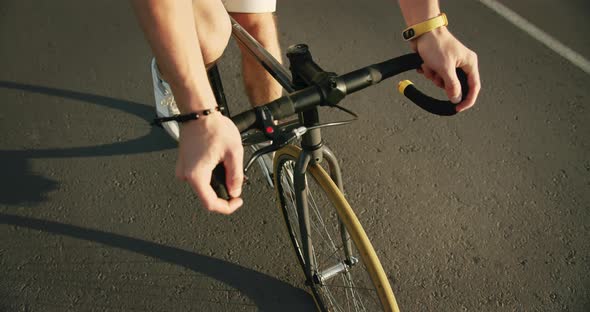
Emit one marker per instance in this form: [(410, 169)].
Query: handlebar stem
[(304, 69)]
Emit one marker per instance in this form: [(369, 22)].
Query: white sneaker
[(165, 104)]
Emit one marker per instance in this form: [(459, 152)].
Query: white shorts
[(250, 6)]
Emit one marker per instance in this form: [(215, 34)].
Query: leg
[(213, 29), (260, 86)]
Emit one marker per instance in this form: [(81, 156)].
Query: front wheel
[(345, 276)]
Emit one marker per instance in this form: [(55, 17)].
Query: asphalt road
[(486, 211)]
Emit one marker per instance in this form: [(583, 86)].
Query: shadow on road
[(19, 185), (268, 293)]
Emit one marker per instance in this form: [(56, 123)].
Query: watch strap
[(419, 29)]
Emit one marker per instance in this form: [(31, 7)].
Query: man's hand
[(203, 144), (442, 54)]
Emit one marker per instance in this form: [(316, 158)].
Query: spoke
[(287, 178), (323, 224), (351, 281), (346, 290), (351, 287), (332, 299), (357, 300), (347, 299), (338, 249)]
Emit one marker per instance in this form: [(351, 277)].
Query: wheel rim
[(349, 290)]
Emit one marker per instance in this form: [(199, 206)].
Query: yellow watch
[(419, 29)]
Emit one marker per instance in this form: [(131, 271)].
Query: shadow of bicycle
[(19, 185), (268, 293)]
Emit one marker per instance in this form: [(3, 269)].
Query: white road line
[(538, 34)]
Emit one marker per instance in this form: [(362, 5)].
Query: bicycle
[(338, 260)]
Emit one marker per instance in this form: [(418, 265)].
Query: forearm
[(169, 27), (417, 11)]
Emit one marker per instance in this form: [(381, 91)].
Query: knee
[(258, 25), (213, 39)]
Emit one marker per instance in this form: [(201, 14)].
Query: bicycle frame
[(313, 150)]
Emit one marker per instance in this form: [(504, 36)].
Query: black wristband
[(186, 117)]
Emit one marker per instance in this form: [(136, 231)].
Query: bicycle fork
[(314, 274)]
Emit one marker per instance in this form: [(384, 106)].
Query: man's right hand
[(203, 144)]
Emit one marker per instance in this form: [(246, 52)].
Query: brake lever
[(265, 150), (273, 133), (279, 141)]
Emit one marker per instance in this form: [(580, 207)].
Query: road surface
[(485, 211)]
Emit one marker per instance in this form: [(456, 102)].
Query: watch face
[(409, 33)]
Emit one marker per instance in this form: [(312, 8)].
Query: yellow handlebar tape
[(420, 29), (401, 87)]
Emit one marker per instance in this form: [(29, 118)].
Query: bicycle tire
[(324, 292)]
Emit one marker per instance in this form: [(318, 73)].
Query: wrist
[(203, 126), (191, 95), (190, 99), (189, 107), (184, 118), (432, 36)]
